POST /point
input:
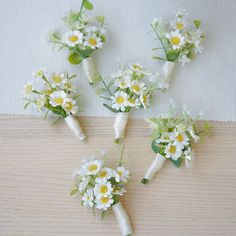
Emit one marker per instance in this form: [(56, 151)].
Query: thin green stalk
[(121, 155), (105, 85)]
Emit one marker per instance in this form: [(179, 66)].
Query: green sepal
[(172, 55), (155, 148), (177, 162), (110, 108), (74, 58), (197, 23)]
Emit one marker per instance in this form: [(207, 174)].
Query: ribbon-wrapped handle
[(74, 125), (156, 166), (90, 70), (123, 219), (167, 71)]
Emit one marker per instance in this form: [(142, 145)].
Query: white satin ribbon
[(120, 123), (123, 219), (90, 70), (167, 71), (156, 166), (74, 125)]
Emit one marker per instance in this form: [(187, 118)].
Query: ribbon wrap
[(167, 71), (120, 123), (90, 70), (74, 125), (156, 166), (123, 219)]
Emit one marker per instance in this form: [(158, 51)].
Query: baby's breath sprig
[(85, 36), (172, 139), (56, 95), (101, 188)]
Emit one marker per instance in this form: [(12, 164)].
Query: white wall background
[(208, 83)]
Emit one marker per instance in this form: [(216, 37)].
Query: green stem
[(105, 85), (121, 155), (81, 7)]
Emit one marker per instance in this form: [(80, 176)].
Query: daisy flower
[(70, 106), (180, 138), (93, 41), (104, 202), (105, 174), (73, 38), (92, 167), (88, 198), (176, 39), (121, 174), (189, 157), (192, 132), (103, 189), (134, 102), (123, 82), (84, 183), (145, 100), (137, 87), (120, 100), (40, 73), (173, 151), (40, 102), (181, 12), (58, 79), (178, 24), (119, 191), (28, 88), (57, 98), (184, 59)]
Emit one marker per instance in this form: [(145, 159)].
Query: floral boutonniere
[(131, 87), (179, 41), (85, 36), (172, 140), (101, 188), (57, 95)]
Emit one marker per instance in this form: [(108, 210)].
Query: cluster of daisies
[(179, 40), (56, 95), (100, 186), (129, 88), (85, 36), (173, 136)]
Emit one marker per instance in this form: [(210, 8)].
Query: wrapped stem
[(123, 219), (120, 123), (156, 166), (74, 125), (167, 71), (90, 70)]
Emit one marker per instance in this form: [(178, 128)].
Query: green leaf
[(74, 191), (177, 162), (26, 105), (100, 91), (159, 58), (88, 5), (155, 148), (74, 58), (172, 55), (197, 23), (87, 52), (110, 108), (103, 214)]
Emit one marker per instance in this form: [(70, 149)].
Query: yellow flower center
[(180, 138), (39, 73), (175, 40), (59, 100), (144, 99), (93, 167), (104, 200), (172, 149), (73, 38), (68, 85), (131, 100), (92, 41), (120, 100), (179, 26), (47, 92), (136, 88), (103, 174), (119, 173), (69, 106), (103, 189), (57, 79)]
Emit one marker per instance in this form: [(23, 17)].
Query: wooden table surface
[(36, 161)]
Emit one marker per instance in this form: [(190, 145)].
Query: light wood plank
[(36, 161)]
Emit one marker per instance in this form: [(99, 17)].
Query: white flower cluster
[(100, 186), (57, 94), (180, 41)]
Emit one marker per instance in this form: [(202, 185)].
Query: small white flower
[(28, 88), (121, 174), (189, 158), (93, 41), (184, 59), (145, 100), (180, 138), (173, 151), (70, 106), (119, 190), (181, 12), (192, 132), (58, 79), (104, 174), (40, 102), (40, 73), (88, 198), (138, 69), (92, 167), (178, 24), (137, 87), (104, 202), (103, 189), (134, 102), (176, 39), (57, 98), (68, 86), (123, 82), (83, 183), (73, 38), (120, 100)]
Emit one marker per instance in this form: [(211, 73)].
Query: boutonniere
[(85, 35), (56, 95), (172, 140), (179, 41), (101, 188), (130, 88)]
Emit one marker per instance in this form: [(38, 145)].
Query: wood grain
[(36, 161)]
